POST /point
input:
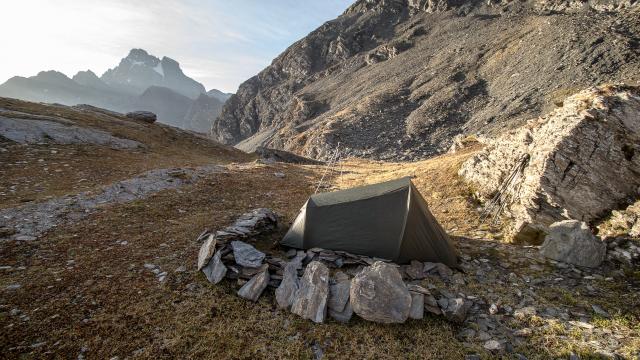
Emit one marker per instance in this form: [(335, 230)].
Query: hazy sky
[(220, 43)]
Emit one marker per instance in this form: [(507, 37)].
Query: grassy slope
[(54, 170)]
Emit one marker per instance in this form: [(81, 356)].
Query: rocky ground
[(121, 280)]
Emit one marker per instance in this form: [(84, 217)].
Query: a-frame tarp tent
[(390, 220)]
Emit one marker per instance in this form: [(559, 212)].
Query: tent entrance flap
[(389, 220)]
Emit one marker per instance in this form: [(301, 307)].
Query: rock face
[(579, 162), (379, 294), (139, 71), (201, 113), (311, 299), (145, 116), (359, 80), (572, 242), (246, 255)]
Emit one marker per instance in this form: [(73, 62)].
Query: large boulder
[(579, 162), (311, 299), (572, 242), (378, 294)]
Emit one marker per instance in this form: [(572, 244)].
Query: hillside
[(398, 79), (140, 82)]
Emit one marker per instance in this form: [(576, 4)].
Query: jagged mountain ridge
[(140, 82), (397, 79), (139, 71)]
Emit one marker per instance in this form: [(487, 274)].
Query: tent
[(389, 220)]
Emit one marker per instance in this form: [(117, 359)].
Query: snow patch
[(158, 68)]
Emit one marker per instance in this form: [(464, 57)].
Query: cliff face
[(397, 79)]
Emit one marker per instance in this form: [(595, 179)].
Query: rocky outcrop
[(572, 242), (579, 162), (398, 79), (273, 155), (379, 294), (144, 116)]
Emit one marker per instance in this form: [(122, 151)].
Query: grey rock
[(246, 255), (600, 311), (343, 316), (144, 116), (493, 309), (254, 287), (525, 312), (493, 345), (311, 298), (59, 131), (417, 305), (215, 270), (378, 294), (206, 251), (286, 292), (339, 292), (34, 219), (572, 242), (456, 310), (415, 270), (443, 270)]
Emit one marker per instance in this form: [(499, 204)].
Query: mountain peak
[(141, 70)]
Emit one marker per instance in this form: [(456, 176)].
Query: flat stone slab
[(254, 287), (286, 292), (246, 255), (215, 270), (311, 299), (206, 251), (339, 289)]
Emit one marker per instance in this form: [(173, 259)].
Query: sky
[(220, 43)]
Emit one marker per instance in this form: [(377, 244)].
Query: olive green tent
[(389, 220)]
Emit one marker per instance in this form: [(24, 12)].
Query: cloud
[(220, 43)]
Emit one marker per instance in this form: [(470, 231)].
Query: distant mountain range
[(140, 82)]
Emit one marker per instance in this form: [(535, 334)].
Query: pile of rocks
[(318, 283)]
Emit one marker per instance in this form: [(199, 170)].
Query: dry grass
[(107, 302)]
